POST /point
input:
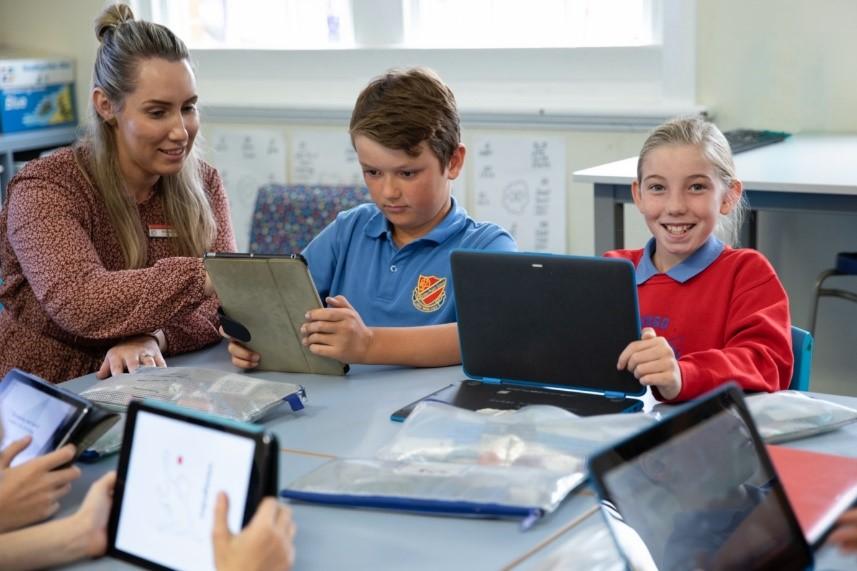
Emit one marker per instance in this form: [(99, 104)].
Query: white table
[(349, 417), (805, 172)]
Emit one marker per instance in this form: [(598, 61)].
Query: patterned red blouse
[(67, 297)]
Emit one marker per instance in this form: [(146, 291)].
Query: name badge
[(161, 231)]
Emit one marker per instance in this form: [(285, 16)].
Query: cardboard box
[(37, 108), (35, 92)]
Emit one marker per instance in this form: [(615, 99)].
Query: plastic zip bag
[(447, 460), (230, 395), (789, 415)]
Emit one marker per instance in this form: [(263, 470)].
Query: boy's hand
[(845, 535), (30, 492), (241, 356), (266, 542), (337, 332), (653, 362)]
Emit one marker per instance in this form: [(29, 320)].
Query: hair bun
[(112, 17)]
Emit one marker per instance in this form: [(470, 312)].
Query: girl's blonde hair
[(124, 42), (715, 148)]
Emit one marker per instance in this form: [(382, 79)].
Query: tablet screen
[(174, 473), (704, 499), (26, 410)]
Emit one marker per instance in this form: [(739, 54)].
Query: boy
[(383, 268)]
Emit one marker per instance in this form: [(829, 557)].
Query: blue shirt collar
[(693, 265), (378, 225)]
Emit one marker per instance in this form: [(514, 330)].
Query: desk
[(350, 417), (804, 172)]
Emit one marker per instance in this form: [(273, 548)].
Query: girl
[(101, 244), (710, 313)]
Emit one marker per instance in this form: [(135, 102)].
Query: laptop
[(542, 329), (698, 491)]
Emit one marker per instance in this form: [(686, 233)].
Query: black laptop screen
[(550, 320), (706, 497)]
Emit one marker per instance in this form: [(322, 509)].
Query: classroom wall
[(56, 27), (789, 65), (777, 64)]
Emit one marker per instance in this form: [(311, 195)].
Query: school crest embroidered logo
[(430, 293)]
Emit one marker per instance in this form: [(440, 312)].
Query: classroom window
[(444, 24), (534, 24), (258, 24)]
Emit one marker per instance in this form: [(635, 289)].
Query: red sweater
[(729, 322)]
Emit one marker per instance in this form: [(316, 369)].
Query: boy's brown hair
[(405, 107)]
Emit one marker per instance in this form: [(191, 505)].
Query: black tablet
[(30, 406), (698, 491), (173, 463)]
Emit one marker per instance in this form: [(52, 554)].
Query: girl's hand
[(652, 361)]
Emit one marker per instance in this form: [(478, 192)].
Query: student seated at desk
[(30, 493), (710, 313), (383, 268), (101, 244)]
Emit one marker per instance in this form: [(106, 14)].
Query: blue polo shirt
[(355, 256), (694, 264)]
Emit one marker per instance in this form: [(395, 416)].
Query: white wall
[(789, 65)]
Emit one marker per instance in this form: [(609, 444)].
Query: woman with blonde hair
[(101, 243)]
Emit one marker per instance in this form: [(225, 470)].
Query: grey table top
[(349, 417)]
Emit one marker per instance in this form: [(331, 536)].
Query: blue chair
[(846, 265), (287, 217), (802, 348)]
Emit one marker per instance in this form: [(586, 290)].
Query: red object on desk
[(819, 486)]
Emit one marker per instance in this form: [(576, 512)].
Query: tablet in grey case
[(265, 300)]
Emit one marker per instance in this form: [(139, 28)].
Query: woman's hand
[(139, 351), (266, 542), (653, 363), (338, 332), (30, 492)]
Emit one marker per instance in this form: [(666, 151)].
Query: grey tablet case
[(264, 300), (540, 329)]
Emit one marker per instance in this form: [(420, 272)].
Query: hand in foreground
[(135, 352), (30, 492), (338, 332), (652, 361), (89, 522), (845, 534), (266, 542)]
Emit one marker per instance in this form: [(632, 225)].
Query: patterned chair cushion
[(287, 217)]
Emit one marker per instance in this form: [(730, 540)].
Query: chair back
[(287, 217), (802, 343)]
